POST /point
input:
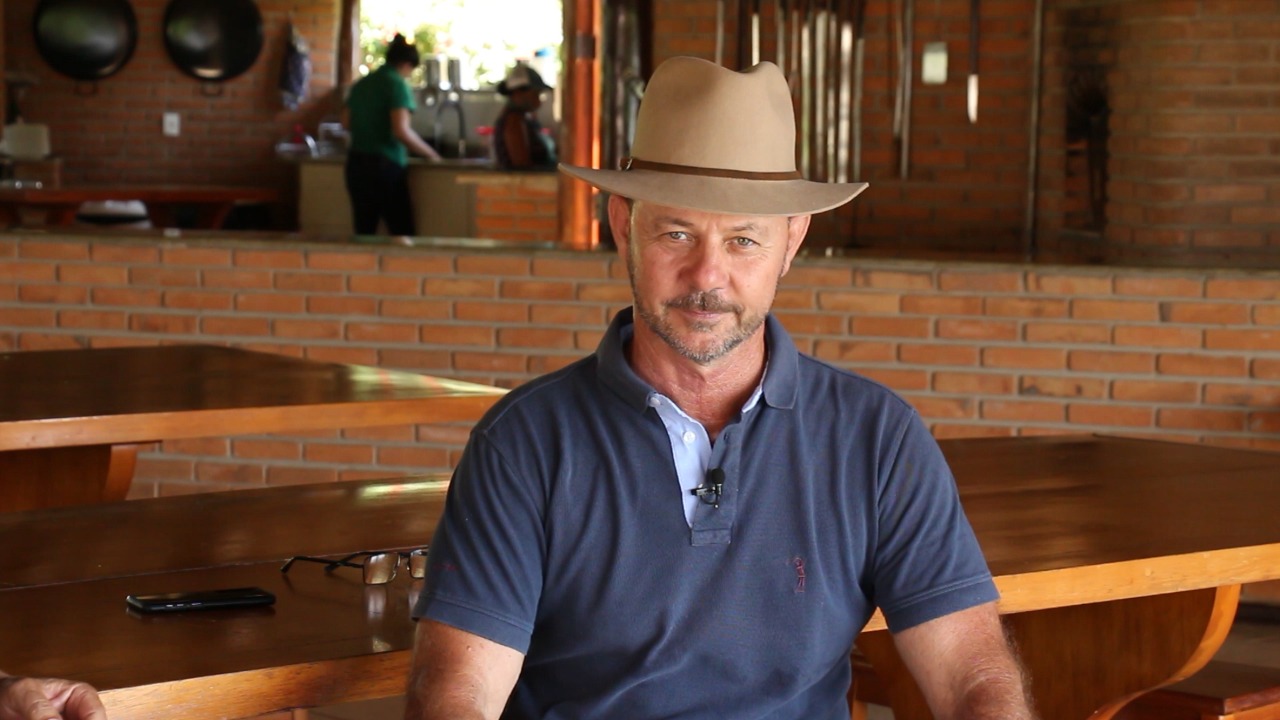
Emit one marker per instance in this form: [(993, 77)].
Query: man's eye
[(678, 235), (744, 242)]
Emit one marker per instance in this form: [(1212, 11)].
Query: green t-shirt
[(370, 102)]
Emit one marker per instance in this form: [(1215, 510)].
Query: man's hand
[(23, 698)]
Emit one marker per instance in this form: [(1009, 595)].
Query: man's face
[(703, 282)]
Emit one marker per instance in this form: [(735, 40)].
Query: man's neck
[(711, 394)]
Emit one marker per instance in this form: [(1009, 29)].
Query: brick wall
[(979, 349), (517, 206), (113, 135)]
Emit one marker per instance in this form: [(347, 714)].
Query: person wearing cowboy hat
[(518, 140), (697, 520)]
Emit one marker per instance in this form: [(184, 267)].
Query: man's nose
[(709, 267)]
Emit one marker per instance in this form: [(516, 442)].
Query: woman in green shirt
[(377, 117)]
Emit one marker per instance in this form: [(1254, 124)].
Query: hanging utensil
[(780, 27), (755, 32), (908, 52), (720, 32), (859, 55), (844, 121), (973, 61)]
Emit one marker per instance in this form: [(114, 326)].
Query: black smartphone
[(201, 600)]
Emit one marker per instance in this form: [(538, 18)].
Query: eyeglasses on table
[(379, 567)]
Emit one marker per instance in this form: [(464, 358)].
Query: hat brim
[(730, 196)]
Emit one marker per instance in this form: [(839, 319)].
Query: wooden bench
[(1220, 691)]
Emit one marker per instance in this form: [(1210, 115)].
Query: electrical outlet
[(171, 124)]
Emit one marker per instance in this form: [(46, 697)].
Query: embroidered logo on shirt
[(798, 563)]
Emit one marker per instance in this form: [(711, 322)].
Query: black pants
[(379, 190)]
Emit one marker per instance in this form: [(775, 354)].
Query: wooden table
[(1119, 560), (71, 420), (59, 205)]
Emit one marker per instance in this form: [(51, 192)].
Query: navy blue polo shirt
[(564, 537)]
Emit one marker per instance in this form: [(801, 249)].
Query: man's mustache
[(703, 302)]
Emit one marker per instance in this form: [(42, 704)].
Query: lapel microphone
[(710, 490)]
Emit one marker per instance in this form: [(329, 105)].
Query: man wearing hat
[(697, 520), (518, 140)]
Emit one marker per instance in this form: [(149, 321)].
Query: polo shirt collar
[(780, 378)]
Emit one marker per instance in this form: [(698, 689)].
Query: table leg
[(1087, 661), (56, 477)]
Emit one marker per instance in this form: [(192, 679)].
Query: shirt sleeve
[(485, 567), (402, 96), (928, 562)]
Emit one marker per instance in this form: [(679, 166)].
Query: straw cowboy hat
[(713, 139)]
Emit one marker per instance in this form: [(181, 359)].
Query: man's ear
[(797, 229), (620, 223)]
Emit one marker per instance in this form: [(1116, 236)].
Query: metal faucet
[(450, 100)]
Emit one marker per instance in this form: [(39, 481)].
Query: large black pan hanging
[(213, 40), (85, 39)]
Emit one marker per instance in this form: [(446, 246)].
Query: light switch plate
[(933, 69), (171, 124)]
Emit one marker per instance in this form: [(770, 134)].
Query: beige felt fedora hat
[(709, 138)]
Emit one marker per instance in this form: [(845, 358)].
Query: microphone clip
[(710, 491)]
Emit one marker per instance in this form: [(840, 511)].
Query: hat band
[(630, 163)]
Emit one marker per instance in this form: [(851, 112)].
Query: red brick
[(973, 383), (164, 324), (951, 329), (600, 292), (1110, 415), (495, 312), (1265, 422), (894, 280), (532, 337), (344, 261), (76, 250), (1158, 391), (417, 264), (818, 276), (489, 362), (1266, 369), (563, 267), (236, 279), (1077, 333), (934, 408), (309, 282), (1266, 314), (852, 351), (196, 446), (1139, 310), (29, 271), (55, 294), (307, 329), (196, 300), (562, 314), (956, 280), (1246, 395), (1026, 307), (1243, 289), (1069, 284), (448, 334), (127, 297), (859, 302), (802, 323), (338, 453), (1022, 411), (259, 449), (381, 332), (891, 327), (1157, 336), (1204, 313), (469, 288), (342, 305), (946, 431), (113, 253), (418, 309), (1110, 362), (1266, 340), (942, 305), (1206, 365), (239, 325), (273, 259), (414, 360), (92, 319), (1060, 386), (343, 354), (194, 256), (938, 354), (791, 299), (542, 364), (213, 477), (276, 303), (95, 275), (384, 284), (387, 433), (500, 265), (1201, 419)]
